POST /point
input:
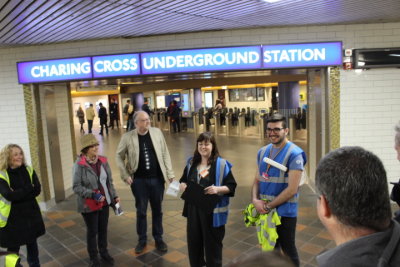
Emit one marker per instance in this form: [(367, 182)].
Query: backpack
[(130, 109)]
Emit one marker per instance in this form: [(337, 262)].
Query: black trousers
[(286, 241), (32, 251), (101, 127), (96, 231), (90, 126), (203, 238)]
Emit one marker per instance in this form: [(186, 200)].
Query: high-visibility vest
[(221, 210), (5, 205), (265, 225), (9, 260), (278, 180)]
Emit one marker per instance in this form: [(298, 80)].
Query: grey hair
[(136, 115), (397, 135)]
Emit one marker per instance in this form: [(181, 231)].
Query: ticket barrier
[(242, 123), (164, 122), (154, 120), (261, 125), (217, 123)]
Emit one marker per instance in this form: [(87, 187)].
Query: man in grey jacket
[(354, 206), (145, 164)]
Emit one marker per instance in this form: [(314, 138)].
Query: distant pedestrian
[(81, 116), (90, 114), (114, 113), (103, 118)]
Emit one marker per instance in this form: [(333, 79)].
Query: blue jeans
[(286, 241), (147, 190)]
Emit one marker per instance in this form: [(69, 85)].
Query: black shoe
[(161, 246), (107, 258), (94, 262), (100, 133), (140, 247)]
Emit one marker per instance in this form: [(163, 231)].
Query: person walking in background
[(90, 114), (276, 189), (174, 114), (353, 205), (103, 118), (114, 113), (93, 185), (21, 221), (145, 165), (128, 111), (81, 116), (206, 225), (146, 108)]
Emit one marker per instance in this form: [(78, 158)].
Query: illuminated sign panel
[(302, 55), (182, 61), (199, 60), (115, 65), (54, 70)]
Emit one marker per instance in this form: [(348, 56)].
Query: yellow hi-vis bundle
[(265, 224)]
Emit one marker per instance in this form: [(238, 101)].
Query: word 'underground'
[(200, 60)]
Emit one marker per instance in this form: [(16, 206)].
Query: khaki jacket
[(90, 113), (127, 157)]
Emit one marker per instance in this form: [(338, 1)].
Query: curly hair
[(5, 156)]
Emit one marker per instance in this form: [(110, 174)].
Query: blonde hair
[(5, 156)]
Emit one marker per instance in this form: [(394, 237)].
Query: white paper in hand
[(117, 209), (173, 189)]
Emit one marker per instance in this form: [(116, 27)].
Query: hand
[(129, 180), (182, 187), (116, 199), (259, 205), (98, 197), (211, 190), (171, 180)]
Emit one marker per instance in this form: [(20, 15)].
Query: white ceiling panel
[(31, 22)]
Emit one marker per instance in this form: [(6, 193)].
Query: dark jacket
[(103, 115), (366, 251), (114, 111), (25, 222)]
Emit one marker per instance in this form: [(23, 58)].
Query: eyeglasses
[(275, 130)]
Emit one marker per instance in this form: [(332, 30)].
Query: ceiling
[(32, 22)]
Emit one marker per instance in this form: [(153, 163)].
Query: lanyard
[(270, 154)]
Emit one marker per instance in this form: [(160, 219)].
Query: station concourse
[(65, 241)]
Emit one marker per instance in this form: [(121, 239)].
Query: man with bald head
[(145, 164)]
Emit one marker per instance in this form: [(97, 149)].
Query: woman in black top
[(19, 186), (207, 182)]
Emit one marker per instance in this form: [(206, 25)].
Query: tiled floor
[(64, 243)]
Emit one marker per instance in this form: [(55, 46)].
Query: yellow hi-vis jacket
[(265, 224), (9, 260), (5, 205)]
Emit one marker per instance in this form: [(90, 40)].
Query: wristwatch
[(266, 208)]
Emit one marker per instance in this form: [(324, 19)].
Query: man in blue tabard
[(274, 188)]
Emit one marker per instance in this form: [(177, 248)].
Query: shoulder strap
[(220, 176), (261, 155)]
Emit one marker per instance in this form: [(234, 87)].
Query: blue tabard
[(277, 180), (220, 213)]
